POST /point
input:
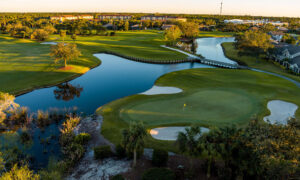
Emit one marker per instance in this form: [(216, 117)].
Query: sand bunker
[(170, 133), (155, 90), (281, 111), (50, 43)]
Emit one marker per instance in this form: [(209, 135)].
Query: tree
[(133, 139), (189, 29), (172, 34), (74, 37), (255, 41), (40, 35), (188, 141), (126, 26), (64, 52), (63, 34), (50, 29), (20, 173)]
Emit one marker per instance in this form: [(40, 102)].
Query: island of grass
[(26, 65), (254, 61), (210, 98)]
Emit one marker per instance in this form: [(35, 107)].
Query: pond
[(211, 48)]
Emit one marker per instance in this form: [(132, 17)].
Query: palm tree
[(133, 139), (188, 141)]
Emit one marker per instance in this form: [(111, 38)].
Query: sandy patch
[(281, 111), (49, 43), (170, 133), (155, 90)]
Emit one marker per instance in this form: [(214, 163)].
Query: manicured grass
[(213, 98), (26, 64), (215, 34), (256, 62)]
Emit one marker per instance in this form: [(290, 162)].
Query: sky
[(288, 8)]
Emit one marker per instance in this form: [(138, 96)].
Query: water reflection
[(67, 92)]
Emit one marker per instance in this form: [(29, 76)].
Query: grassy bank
[(215, 34), (256, 62), (213, 98), (25, 64)]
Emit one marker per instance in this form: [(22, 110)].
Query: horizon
[(265, 8)]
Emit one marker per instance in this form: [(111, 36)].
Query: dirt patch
[(66, 68)]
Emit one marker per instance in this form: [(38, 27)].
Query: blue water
[(211, 48), (115, 78)]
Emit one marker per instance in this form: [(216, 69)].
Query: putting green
[(217, 106), (210, 98)]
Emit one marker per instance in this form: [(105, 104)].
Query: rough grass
[(26, 64), (215, 34), (214, 98), (256, 62)]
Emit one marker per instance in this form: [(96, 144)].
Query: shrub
[(43, 118), (40, 35), (160, 157), (120, 151), (82, 138), (118, 177), (112, 33), (102, 152), (158, 174)]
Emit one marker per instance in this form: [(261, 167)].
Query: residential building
[(276, 35), (167, 26), (288, 56), (259, 22), (114, 17), (72, 17), (163, 18), (86, 17)]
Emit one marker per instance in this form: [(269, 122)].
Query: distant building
[(259, 22), (163, 18), (136, 27), (114, 17), (276, 35), (167, 26), (86, 17), (110, 26), (72, 17)]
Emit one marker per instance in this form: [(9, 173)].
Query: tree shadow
[(67, 92)]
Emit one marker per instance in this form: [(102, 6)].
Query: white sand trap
[(170, 133), (281, 111), (50, 43), (155, 90)]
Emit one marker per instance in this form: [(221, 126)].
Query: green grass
[(26, 64), (215, 34), (256, 62), (214, 98)]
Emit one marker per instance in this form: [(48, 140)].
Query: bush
[(112, 33), (158, 174), (118, 177), (82, 138), (25, 137), (160, 157), (102, 152), (120, 151)]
